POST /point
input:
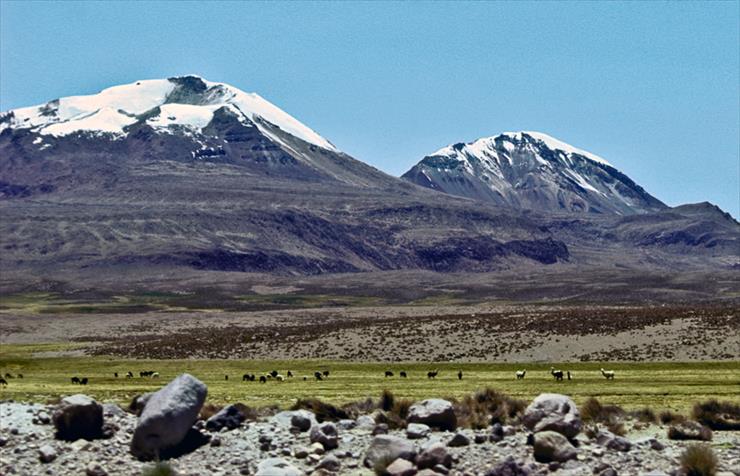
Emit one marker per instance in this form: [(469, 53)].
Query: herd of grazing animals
[(559, 375)]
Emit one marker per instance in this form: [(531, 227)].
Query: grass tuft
[(323, 411), (721, 416), (644, 415), (486, 407), (160, 468), (699, 460), (668, 417)]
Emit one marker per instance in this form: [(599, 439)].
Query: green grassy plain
[(675, 386)]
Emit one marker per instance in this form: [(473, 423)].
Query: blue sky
[(652, 87)]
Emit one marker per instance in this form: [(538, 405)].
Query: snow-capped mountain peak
[(531, 170), (187, 102)]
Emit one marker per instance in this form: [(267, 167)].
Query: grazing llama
[(520, 374), (608, 374)]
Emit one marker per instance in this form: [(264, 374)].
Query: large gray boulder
[(168, 416), (277, 467), (434, 412), (553, 412), (385, 449), (78, 416), (552, 446)]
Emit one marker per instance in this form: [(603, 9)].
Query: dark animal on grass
[(75, 380), (402, 374), (274, 373), (226, 377), (326, 373), (305, 378), (318, 375), (129, 375), (459, 375), (263, 379), (520, 374), (83, 381), (8, 376), (388, 373), (290, 374), (20, 375), (115, 374), (3, 382), (248, 378), (432, 374), (569, 377), (558, 374)]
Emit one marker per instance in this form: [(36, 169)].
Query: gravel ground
[(23, 433)]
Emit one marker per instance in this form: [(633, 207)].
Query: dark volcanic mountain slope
[(532, 171), (166, 175), (201, 175)]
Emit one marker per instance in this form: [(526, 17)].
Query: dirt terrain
[(443, 333)]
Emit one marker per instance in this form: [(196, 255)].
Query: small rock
[(509, 467), (380, 429), (215, 440), (229, 417), (277, 467), (47, 454), (301, 452), (326, 434), (458, 440), (346, 424), (613, 442), (400, 467), (552, 446), (317, 449), (497, 432), (435, 454), (434, 412), (330, 463), (94, 469), (366, 422), (385, 449), (415, 431), (303, 420)]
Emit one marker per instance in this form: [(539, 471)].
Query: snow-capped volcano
[(532, 170), (186, 103)]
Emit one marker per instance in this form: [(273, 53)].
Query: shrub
[(486, 407), (323, 411), (667, 417), (160, 468), (699, 460), (386, 400), (593, 410), (722, 416), (208, 410), (645, 415)]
